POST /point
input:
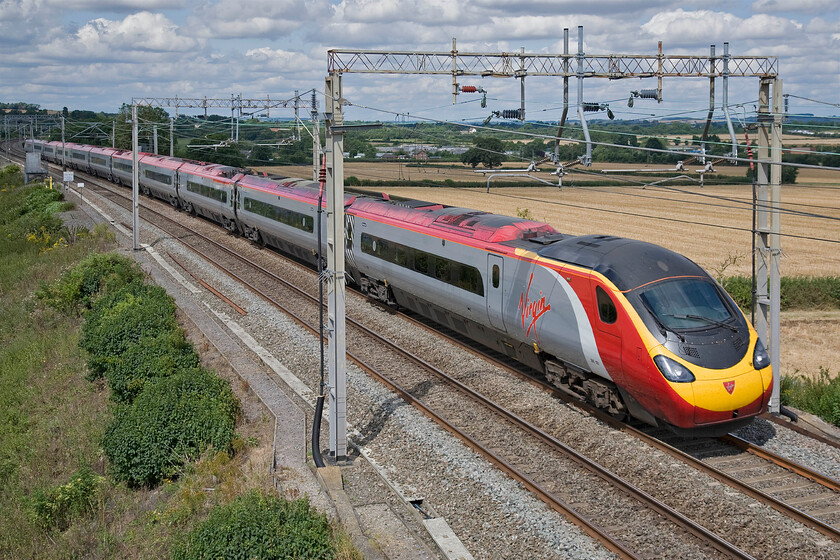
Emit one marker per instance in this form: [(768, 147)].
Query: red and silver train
[(631, 327)]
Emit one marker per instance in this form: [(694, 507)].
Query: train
[(635, 329)]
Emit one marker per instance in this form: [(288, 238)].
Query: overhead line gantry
[(581, 66)]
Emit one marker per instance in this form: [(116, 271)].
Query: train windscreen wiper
[(706, 319), (662, 328)]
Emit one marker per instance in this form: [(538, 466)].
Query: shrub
[(97, 273), (819, 396), (255, 525), (123, 317), (152, 356), (796, 292), (740, 288), (175, 419), (59, 505)]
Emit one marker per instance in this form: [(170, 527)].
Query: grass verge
[(58, 493)]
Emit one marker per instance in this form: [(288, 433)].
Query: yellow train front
[(693, 363)]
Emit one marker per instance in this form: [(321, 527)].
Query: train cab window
[(606, 308), (495, 276)]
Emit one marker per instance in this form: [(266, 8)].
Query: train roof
[(627, 263), (473, 224)]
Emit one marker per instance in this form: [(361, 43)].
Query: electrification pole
[(154, 139), (316, 138), (171, 137), (135, 180), (335, 267), (768, 226)]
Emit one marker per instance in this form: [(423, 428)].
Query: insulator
[(484, 101), (591, 107), (649, 94), (468, 89), (511, 114)]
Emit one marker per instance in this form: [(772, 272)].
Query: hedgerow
[(151, 357), (255, 525), (173, 420), (98, 273), (796, 292), (123, 317)]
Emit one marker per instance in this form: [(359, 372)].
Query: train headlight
[(672, 370), (760, 357)]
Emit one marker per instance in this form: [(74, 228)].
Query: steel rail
[(778, 505)]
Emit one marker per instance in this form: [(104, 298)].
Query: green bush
[(818, 396), (43, 200), (123, 317), (796, 292), (11, 176), (255, 525), (57, 506), (97, 273), (740, 288), (173, 420), (152, 356)]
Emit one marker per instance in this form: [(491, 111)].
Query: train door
[(495, 275), (607, 329)]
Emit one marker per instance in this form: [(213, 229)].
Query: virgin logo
[(532, 310)]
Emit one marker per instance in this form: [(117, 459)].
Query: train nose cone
[(724, 398)]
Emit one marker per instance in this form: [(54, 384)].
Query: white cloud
[(230, 19), (115, 5), (136, 34), (682, 28), (798, 6)]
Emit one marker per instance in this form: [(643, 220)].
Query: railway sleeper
[(600, 393)]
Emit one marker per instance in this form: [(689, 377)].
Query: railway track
[(514, 456), (792, 489)]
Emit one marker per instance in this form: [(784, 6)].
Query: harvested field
[(709, 225)]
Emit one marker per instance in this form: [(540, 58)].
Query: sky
[(97, 55)]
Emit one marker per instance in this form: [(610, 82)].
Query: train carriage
[(122, 166), (78, 156), (51, 151), (207, 189), (276, 212), (100, 162), (158, 177)]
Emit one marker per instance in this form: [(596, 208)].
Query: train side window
[(606, 307), (495, 276)]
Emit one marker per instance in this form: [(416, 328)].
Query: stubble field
[(710, 225)]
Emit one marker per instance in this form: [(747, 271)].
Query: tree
[(487, 150), (534, 149), (260, 155), (147, 118)]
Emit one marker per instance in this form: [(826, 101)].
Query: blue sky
[(91, 54)]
